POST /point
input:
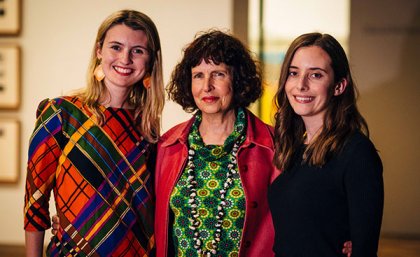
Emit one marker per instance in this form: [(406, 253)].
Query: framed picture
[(10, 17), (9, 150), (9, 77)]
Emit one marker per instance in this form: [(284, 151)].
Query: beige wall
[(385, 55), (56, 42)]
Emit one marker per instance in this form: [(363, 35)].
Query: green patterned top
[(211, 163)]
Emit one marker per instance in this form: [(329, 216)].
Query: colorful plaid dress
[(101, 183)]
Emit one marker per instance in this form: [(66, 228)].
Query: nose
[(302, 84), (125, 57), (208, 84)]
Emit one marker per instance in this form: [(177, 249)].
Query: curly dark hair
[(217, 47)]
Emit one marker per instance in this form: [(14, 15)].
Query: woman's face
[(212, 87), (309, 82), (124, 57)]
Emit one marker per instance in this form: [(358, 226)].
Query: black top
[(315, 210)]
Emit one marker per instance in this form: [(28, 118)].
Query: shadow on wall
[(392, 109)]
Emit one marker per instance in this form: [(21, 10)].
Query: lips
[(123, 71), (209, 99), (304, 99)]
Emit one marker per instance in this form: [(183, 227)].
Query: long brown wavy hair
[(342, 117), (148, 102)]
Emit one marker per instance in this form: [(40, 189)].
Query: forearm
[(34, 241)]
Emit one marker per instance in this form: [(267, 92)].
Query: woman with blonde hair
[(93, 149)]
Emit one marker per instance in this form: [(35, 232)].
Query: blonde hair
[(148, 102)]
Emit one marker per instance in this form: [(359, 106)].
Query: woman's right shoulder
[(177, 132), (55, 103)]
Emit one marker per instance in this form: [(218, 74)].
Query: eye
[(219, 74), (197, 75), (138, 51), (115, 47), (316, 75), (292, 73)]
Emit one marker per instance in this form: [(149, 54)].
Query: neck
[(214, 129), (115, 97), (313, 127)]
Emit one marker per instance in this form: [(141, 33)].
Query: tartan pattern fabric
[(101, 183)]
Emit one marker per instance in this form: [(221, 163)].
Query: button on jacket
[(256, 172)]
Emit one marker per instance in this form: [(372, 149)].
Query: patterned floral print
[(210, 163)]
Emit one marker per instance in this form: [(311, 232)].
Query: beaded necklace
[(227, 184), (220, 208)]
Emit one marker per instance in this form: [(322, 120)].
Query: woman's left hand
[(347, 248), (55, 224)]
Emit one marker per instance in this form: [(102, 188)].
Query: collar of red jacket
[(258, 133)]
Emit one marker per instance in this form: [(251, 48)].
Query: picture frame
[(9, 150), (9, 77), (10, 17)]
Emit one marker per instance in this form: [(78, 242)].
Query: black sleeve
[(151, 158), (365, 195)]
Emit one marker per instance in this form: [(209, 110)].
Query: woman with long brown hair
[(331, 187)]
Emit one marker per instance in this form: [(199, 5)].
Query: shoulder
[(176, 133), (359, 142), (360, 151), (44, 104), (58, 101), (56, 104), (259, 132)]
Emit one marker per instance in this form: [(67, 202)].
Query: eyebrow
[(227, 71), (314, 68), (118, 43)]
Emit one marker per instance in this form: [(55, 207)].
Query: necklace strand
[(192, 186)]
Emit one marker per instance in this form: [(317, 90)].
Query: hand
[(55, 225), (347, 248)]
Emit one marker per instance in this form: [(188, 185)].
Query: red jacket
[(256, 172)]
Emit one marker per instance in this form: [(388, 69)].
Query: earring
[(146, 81), (99, 73)]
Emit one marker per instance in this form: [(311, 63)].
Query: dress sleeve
[(43, 156), (365, 195)]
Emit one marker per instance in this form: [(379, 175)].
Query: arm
[(40, 179), (365, 194), (34, 241)]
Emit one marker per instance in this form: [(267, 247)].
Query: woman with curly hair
[(213, 171)]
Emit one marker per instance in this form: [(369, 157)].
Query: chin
[(301, 112)]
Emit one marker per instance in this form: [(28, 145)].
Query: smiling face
[(124, 57), (309, 82), (212, 87)]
